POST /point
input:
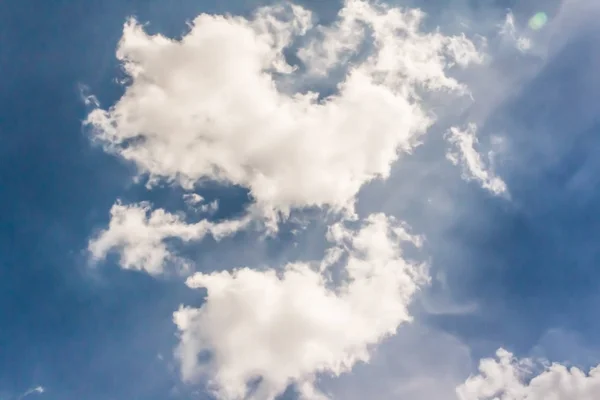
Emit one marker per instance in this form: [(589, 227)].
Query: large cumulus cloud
[(285, 326), (213, 104)]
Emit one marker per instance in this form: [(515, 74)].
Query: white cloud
[(193, 199), (507, 378), (35, 390), (212, 105), (285, 326), (509, 31), (473, 166), (139, 234), (197, 202), (402, 53)]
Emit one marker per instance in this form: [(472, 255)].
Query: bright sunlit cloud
[(508, 378), (285, 326), (212, 105)]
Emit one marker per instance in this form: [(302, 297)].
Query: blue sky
[(518, 273)]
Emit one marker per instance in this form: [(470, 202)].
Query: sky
[(229, 200)]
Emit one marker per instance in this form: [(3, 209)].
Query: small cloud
[(35, 390), (195, 201), (509, 31), (88, 99), (192, 199), (474, 168)]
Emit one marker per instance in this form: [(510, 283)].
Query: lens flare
[(538, 21)]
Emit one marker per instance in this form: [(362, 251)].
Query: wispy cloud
[(35, 390), (466, 155)]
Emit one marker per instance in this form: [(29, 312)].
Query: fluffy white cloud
[(473, 166), (278, 327), (139, 234), (507, 378), (213, 105)]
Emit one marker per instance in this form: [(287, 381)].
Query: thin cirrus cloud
[(215, 105)]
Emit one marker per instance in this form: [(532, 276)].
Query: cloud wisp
[(35, 390), (473, 166)]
